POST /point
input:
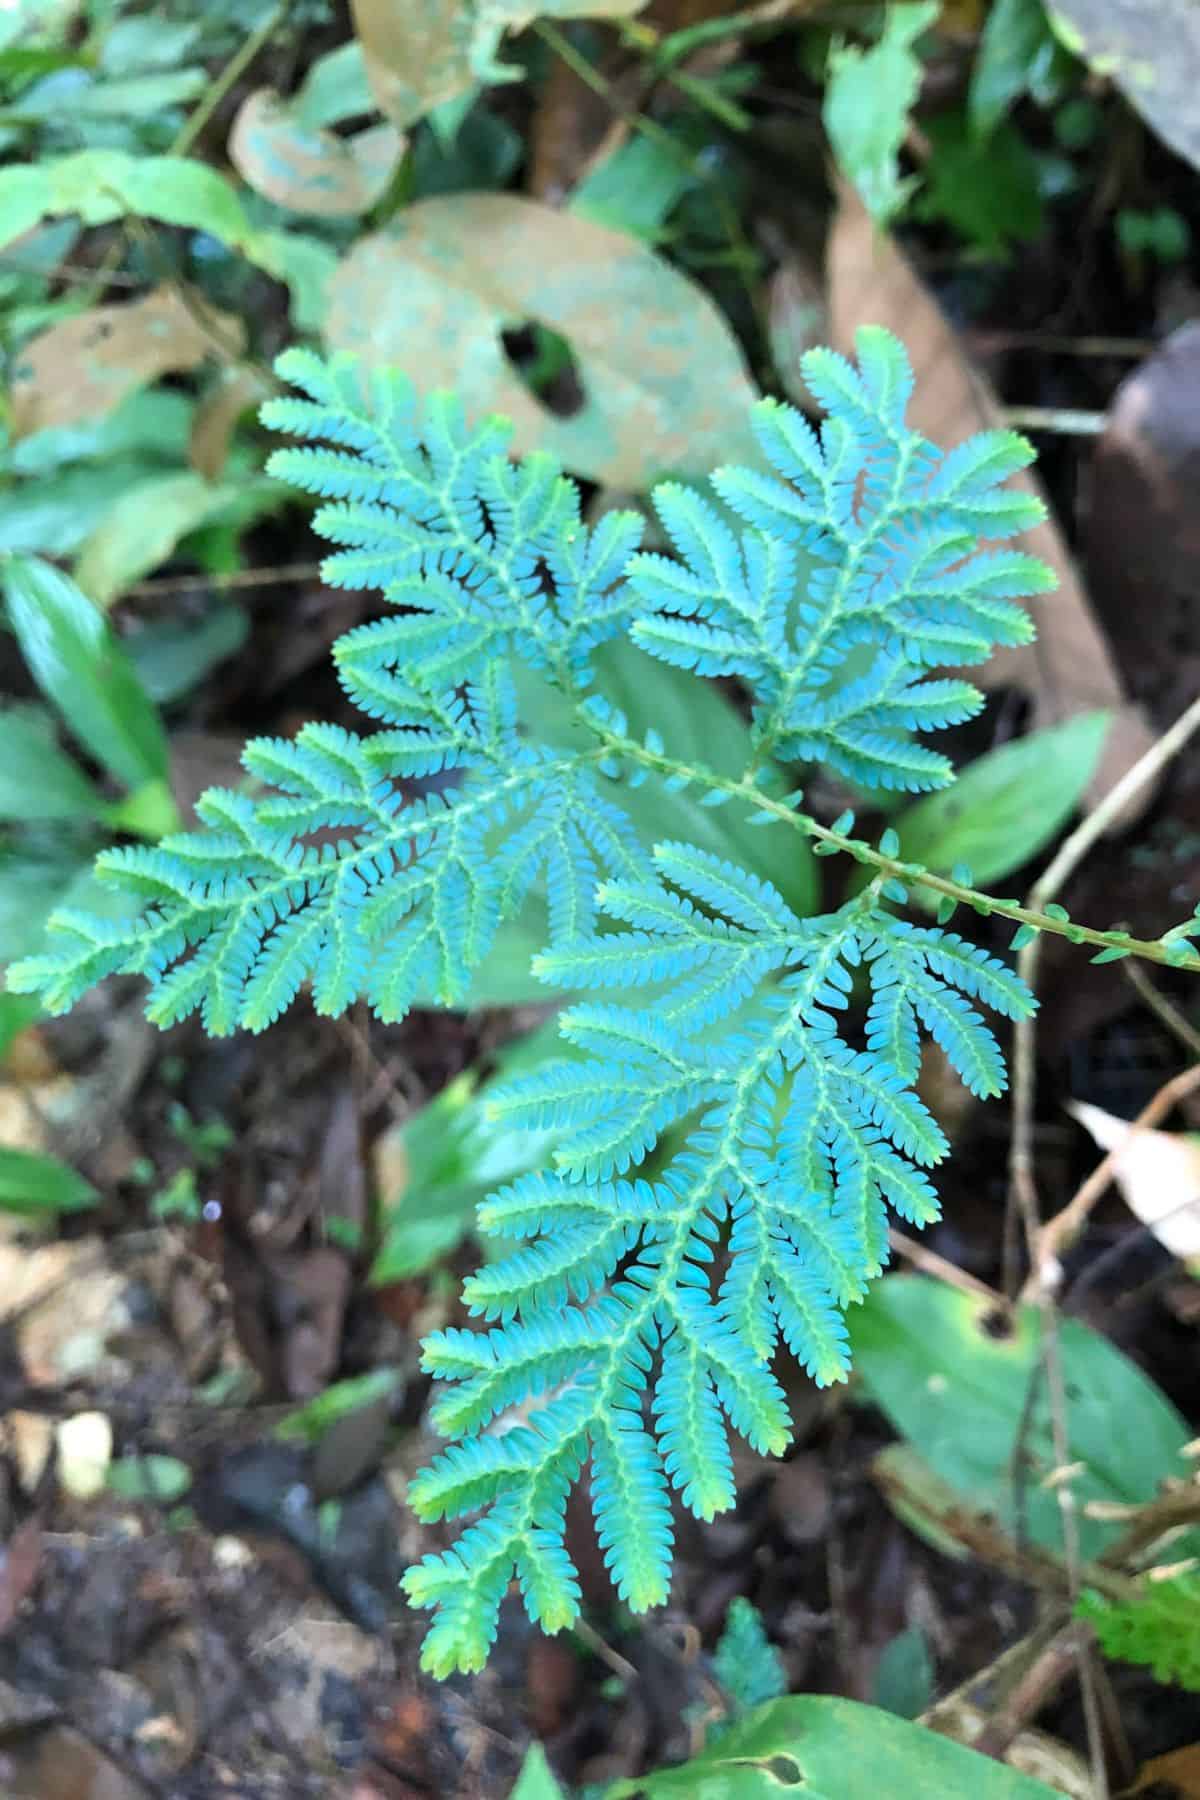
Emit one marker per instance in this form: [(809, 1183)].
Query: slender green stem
[(234, 69), (894, 868)]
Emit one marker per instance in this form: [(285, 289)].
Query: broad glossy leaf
[(665, 386), (31, 1183), (102, 185), (172, 655), (831, 1749), (958, 1389), (1008, 804), (38, 780), (1016, 47), (82, 669), (144, 527), (334, 88)]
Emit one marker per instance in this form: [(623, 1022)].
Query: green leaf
[(958, 1390), (868, 98), (102, 185), (32, 1184), (16, 1012), (310, 1422), (904, 1674), (449, 1156), (56, 512), (159, 1480), (36, 875), (82, 669), (745, 1661), (1016, 44), (635, 188), (1007, 805), (152, 422), (989, 190), (536, 1781), (832, 1749), (334, 88), (37, 779), (144, 527), (1160, 1628), (434, 292), (172, 656)]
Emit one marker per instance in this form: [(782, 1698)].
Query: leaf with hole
[(967, 1391), (832, 1749), (438, 289)]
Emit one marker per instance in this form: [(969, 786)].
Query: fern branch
[(1174, 950)]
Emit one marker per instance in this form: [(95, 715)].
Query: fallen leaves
[(1070, 668), (308, 170), (665, 387), (82, 368), (418, 57), (1158, 1173)]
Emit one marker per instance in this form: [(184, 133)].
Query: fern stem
[(1174, 953)]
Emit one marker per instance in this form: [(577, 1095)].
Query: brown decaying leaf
[(664, 382), (20, 1565), (235, 391), (1070, 668), (310, 171), (1176, 1775), (1143, 522), (85, 366), (1158, 1173), (420, 55)]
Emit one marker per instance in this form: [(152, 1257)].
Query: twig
[(234, 69), (927, 1260), (165, 585), (743, 251), (1170, 951), (988, 342), (1164, 1010), (1052, 1236), (198, 118), (1062, 421), (1070, 854), (1036, 1687)]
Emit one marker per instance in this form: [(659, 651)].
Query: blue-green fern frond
[(639, 1316), (739, 1117), (341, 876), (893, 526)]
